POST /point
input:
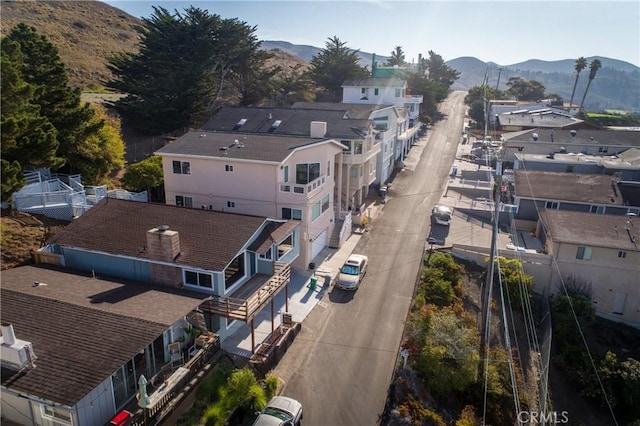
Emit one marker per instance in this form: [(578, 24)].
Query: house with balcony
[(75, 346), (385, 119), (388, 90), (238, 263), (599, 253), (536, 191), (283, 177)]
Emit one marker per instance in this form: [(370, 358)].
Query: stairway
[(334, 241)]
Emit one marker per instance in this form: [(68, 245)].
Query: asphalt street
[(341, 364)]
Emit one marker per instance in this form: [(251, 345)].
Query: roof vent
[(163, 228)]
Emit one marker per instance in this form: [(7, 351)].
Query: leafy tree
[(333, 65), (468, 417), (525, 90), (449, 359), (145, 175), (293, 85), (593, 70), (397, 58), (519, 285), (439, 71), (476, 111), (435, 288), (254, 80), (102, 152), (581, 64), (452, 272), (58, 102)]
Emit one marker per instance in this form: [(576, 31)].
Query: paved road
[(341, 364)]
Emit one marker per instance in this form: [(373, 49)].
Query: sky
[(504, 32)]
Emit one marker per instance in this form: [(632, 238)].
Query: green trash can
[(313, 282)]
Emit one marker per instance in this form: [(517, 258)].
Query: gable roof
[(573, 187), (208, 239), (82, 328), (374, 82), (598, 230), (291, 122), (358, 111)]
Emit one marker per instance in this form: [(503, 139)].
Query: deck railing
[(243, 309)]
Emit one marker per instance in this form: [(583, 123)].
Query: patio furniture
[(176, 355)]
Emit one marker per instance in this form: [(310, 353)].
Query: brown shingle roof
[(82, 328), (208, 239), (598, 230), (272, 233)]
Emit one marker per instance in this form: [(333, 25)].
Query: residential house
[(285, 177), (74, 345), (385, 119), (239, 263), (599, 194), (583, 141), (388, 90), (624, 166), (506, 109), (599, 253), (543, 118)]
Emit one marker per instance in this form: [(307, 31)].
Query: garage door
[(318, 244)]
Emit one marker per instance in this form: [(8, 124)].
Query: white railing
[(303, 188)]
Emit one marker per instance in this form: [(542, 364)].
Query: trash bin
[(383, 191), (312, 265), (313, 282)]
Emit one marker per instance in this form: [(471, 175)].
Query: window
[(329, 168), (375, 91), (234, 272), (603, 149), (552, 205), (363, 90), (357, 147), (597, 209), (228, 168), (307, 172), (285, 172), (584, 253), (198, 279), (353, 172), (347, 147), (398, 93), (181, 168), (372, 167), (316, 210), (622, 254), (231, 204), (569, 169), (288, 213), (267, 255), (56, 414), (361, 170), (325, 203), (182, 201)]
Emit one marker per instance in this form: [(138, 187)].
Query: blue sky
[(505, 32)]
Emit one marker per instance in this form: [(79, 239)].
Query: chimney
[(16, 354), (163, 244), (318, 129)]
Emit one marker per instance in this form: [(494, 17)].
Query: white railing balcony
[(303, 189)]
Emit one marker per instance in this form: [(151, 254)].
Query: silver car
[(352, 272), (280, 411)]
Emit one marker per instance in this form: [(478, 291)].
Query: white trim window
[(289, 213), (228, 168), (198, 279), (182, 201), (552, 205), (266, 256), (181, 168), (56, 414), (231, 204), (584, 253)]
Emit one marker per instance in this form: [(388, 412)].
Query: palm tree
[(593, 70), (581, 64)]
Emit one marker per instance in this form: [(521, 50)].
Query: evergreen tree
[(333, 65), (254, 79), (27, 137), (397, 58), (58, 102), (440, 72)]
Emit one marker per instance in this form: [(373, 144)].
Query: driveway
[(341, 364)]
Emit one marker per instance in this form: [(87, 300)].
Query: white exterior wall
[(98, 406), (251, 186), (608, 275), (386, 95), (16, 409)]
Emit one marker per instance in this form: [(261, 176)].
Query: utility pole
[(498, 83)]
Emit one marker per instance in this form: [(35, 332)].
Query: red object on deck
[(121, 419)]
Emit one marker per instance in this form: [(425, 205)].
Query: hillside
[(86, 33)]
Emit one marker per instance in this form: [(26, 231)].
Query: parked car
[(352, 272), (280, 411), (442, 215)]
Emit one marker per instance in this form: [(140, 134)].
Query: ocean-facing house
[(599, 253), (393, 91), (581, 141), (385, 119), (535, 191), (75, 345), (284, 177)]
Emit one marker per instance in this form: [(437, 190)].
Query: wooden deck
[(252, 297)]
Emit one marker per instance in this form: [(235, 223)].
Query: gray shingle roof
[(580, 188), (583, 136), (82, 328), (208, 239), (597, 230), (293, 122), (361, 111)]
